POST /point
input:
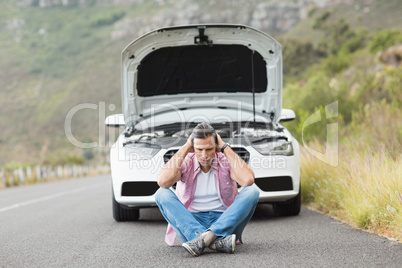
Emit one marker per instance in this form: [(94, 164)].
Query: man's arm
[(241, 172), (170, 173)]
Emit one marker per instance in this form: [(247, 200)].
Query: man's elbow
[(249, 181), (250, 178), (246, 180), (162, 182)]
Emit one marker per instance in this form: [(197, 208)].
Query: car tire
[(290, 208), (121, 213)]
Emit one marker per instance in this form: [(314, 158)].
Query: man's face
[(205, 151)]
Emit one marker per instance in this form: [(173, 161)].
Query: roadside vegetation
[(362, 73), (364, 190)]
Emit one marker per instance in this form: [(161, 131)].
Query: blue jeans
[(187, 224)]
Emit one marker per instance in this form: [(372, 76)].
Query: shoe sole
[(233, 243), (192, 252)]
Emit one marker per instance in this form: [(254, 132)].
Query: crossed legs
[(187, 225)]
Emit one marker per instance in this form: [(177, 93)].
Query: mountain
[(60, 60)]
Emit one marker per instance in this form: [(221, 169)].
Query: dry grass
[(365, 189)]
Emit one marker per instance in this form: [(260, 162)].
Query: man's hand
[(241, 172), (220, 142), (170, 173), (189, 144)]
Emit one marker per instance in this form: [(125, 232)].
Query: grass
[(365, 189)]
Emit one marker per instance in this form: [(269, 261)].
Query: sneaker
[(227, 244), (195, 246)]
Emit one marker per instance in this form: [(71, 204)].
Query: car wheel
[(290, 208), (121, 213)]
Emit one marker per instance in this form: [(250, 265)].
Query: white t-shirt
[(206, 196)]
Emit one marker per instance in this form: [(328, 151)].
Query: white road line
[(45, 198)]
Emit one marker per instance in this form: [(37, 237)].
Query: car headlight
[(141, 151), (276, 147)]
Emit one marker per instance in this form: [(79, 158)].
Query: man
[(207, 210)]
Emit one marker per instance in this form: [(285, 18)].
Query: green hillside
[(55, 58), (372, 15), (52, 60)]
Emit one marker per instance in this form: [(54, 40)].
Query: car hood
[(201, 67)]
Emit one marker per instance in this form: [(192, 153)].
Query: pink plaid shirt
[(185, 188)]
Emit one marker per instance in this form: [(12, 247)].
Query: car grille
[(169, 154), (140, 188), (273, 184), (240, 151)]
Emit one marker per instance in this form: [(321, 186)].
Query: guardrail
[(39, 173)]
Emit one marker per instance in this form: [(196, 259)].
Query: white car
[(174, 78)]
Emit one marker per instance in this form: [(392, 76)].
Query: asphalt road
[(69, 224)]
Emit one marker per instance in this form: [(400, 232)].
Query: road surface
[(69, 223)]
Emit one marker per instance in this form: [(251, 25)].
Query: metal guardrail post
[(59, 172), (21, 175), (29, 173), (3, 176), (38, 173)]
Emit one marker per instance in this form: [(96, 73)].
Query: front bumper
[(135, 183)]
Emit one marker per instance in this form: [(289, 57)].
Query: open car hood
[(201, 66)]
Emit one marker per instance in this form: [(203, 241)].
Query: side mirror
[(287, 115), (115, 120)]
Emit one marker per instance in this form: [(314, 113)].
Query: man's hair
[(203, 131)]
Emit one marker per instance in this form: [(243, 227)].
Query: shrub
[(73, 159), (104, 20), (311, 11), (336, 63), (385, 39), (297, 55), (318, 23), (393, 85), (358, 40)]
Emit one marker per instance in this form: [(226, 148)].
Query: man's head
[(204, 141)]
